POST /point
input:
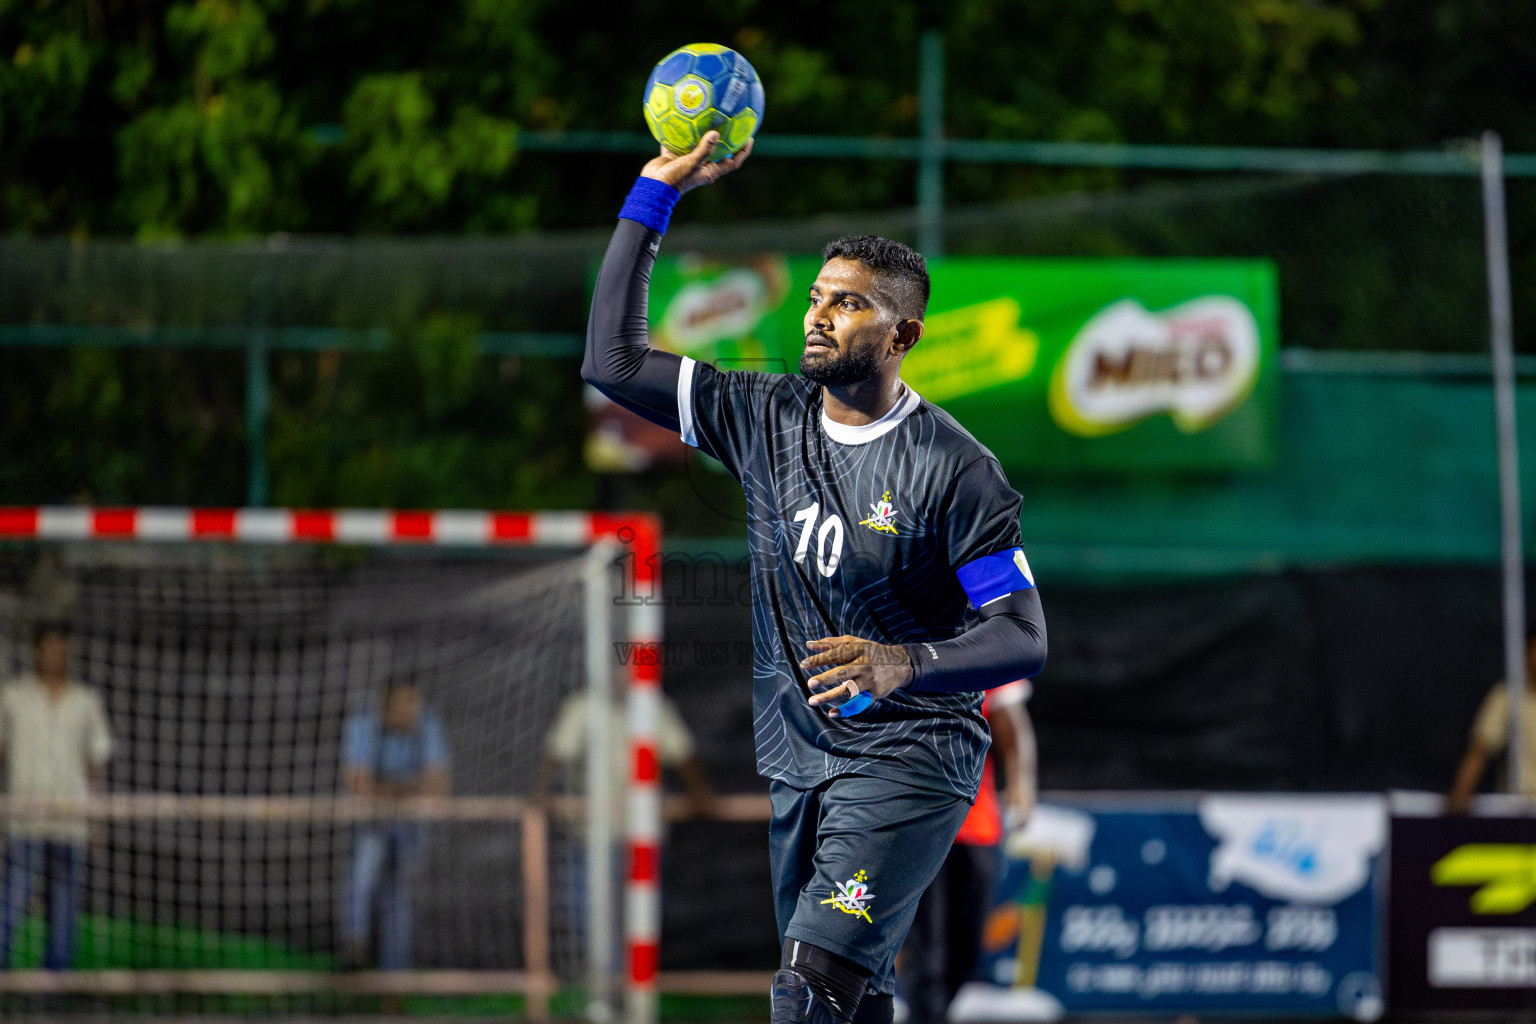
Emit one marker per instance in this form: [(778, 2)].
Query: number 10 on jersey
[(829, 536)]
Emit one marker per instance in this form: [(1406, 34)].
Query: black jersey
[(857, 530)]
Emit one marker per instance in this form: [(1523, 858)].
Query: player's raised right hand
[(690, 170)]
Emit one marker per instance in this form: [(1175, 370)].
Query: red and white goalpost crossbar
[(638, 534)]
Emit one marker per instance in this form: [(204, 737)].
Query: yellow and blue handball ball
[(702, 86)]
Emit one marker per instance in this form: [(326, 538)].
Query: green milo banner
[(1136, 365)]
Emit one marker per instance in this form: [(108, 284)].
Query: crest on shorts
[(882, 515), (853, 896)]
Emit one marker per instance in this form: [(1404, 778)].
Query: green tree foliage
[(221, 151), (222, 119), (227, 117), (431, 424), (131, 427), (408, 163)]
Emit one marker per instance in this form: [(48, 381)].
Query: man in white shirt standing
[(1490, 737), (55, 745)]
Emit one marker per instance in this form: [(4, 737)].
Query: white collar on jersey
[(846, 433)]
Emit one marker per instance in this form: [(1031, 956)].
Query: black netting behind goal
[(233, 673)]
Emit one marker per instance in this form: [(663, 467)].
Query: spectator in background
[(565, 747), (55, 744), (1490, 737), (51, 593), (391, 752), (944, 944)]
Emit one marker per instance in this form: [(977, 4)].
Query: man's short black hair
[(400, 682), (901, 273), (50, 627)]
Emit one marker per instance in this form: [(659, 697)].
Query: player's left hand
[(859, 666)]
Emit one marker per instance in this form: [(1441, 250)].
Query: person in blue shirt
[(393, 751)]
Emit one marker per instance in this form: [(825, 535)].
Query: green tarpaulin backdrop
[(1118, 364), (1367, 469)]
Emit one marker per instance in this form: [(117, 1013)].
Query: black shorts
[(850, 861)]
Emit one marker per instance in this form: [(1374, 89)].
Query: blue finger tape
[(859, 702)]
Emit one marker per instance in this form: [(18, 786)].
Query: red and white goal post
[(631, 541)]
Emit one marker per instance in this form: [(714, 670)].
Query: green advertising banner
[(1112, 364)]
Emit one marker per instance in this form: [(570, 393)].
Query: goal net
[(271, 821)]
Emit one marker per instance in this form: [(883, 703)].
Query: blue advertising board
[(1239, 904)]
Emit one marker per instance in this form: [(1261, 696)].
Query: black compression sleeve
[(1007, 644), (619, 362)]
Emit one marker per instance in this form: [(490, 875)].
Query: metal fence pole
[(1501, 338), (601, 799), (930, 168), (257, 392), (256, 395)]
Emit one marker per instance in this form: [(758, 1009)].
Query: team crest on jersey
[(882, 515), (853, 896)]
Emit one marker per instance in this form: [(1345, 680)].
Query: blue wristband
[(650, 203)]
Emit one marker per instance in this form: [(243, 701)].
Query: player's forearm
[(1026, 760), (1008, 644), (1005, 741), (619, 361), (436, 781), (1468, 774), (360, 782), (697, 780)]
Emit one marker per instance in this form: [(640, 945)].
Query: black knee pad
[(876, 1010), (814, 986), (794, 1001)]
